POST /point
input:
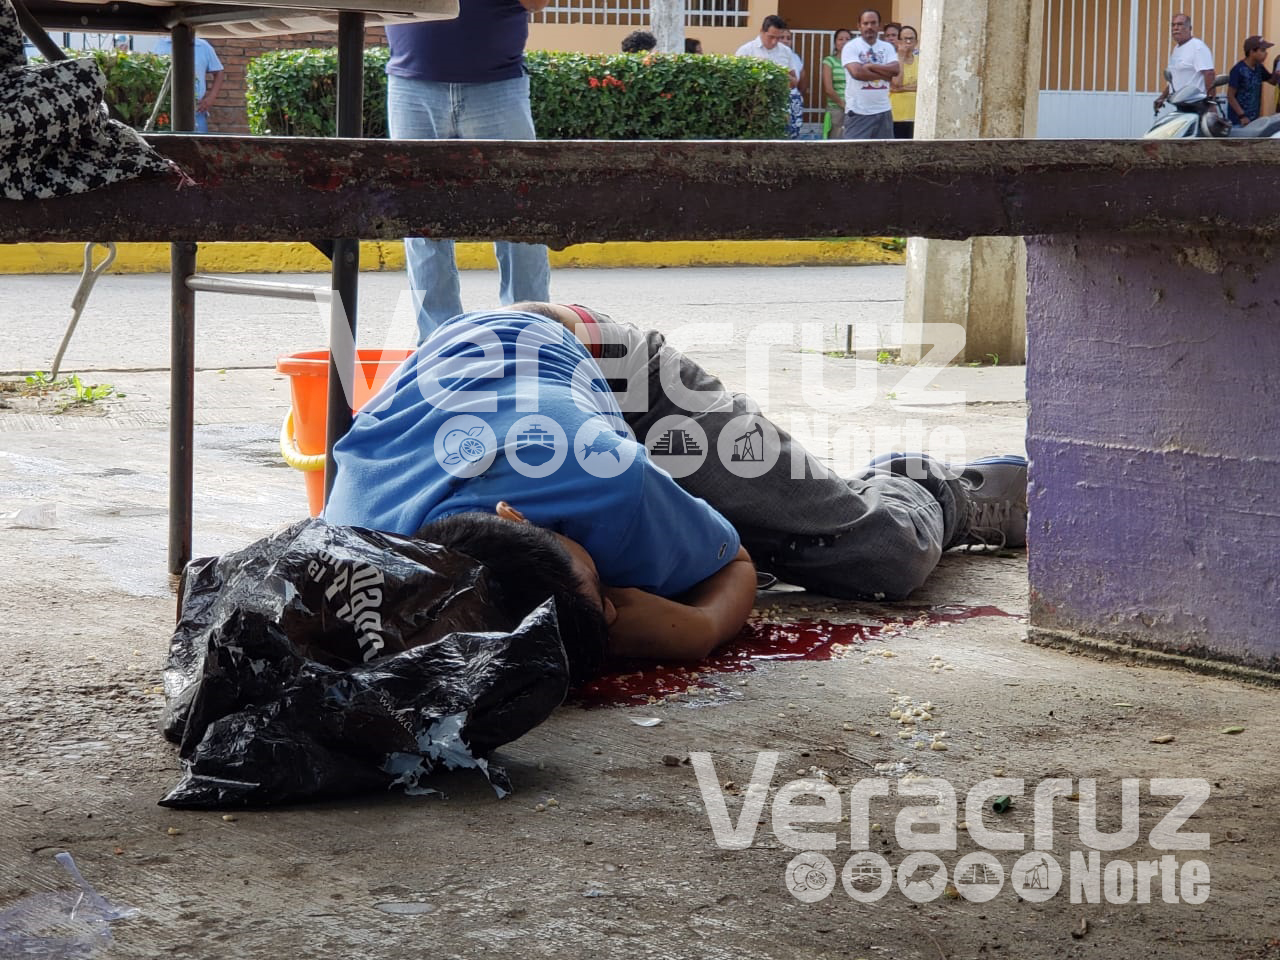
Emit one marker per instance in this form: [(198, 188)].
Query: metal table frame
[(343, 253)]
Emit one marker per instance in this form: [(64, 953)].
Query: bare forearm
[(829, 83), (689, 628)]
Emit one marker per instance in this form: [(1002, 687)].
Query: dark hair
[(892, 23), (773, 21), (869, 10), (528, 565), (638, 41), (691, 44), (839, 30)]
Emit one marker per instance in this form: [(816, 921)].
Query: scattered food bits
[(927, 705), (1163, 738), (539, 807), (938, 745), (998, 772), (950, 892), (174, 832), (596, 750), (552, 802), (895, 714), (875, 828), (963, 824), (904, 734), (874, 733), (118, 850), (846, 726), (888, 654), (791, 706), (948, 667), (742, 683), (1128, 705), (926, 716), (820, 683), (670, 760), (1233, 729), (730, 785), (230, 817), (918, 745), (866, 659)]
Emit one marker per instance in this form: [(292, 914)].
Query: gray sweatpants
[(872, 536), (875, 126)]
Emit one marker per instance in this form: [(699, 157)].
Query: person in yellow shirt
[(902, 89)]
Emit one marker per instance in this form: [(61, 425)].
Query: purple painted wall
[(1153, 380)]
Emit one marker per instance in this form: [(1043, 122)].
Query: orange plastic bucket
[(302, 437)]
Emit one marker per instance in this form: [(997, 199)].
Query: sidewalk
[(625, 861)]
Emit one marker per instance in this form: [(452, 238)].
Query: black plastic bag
[(328, 660)]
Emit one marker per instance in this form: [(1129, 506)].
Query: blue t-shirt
[(484, 388), (206, 59), (1248, 82), (484, 43)]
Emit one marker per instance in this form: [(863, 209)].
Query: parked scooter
[(1198, 115)]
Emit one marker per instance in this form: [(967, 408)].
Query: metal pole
[(182, 113), (182, 340), (346, 252), (182, 381)]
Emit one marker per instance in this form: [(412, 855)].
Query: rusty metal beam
[(562, 192)]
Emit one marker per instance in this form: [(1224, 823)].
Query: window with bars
[(697, 13)]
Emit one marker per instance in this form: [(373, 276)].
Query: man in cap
[(1244, 89)]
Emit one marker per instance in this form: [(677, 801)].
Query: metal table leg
[(346, 252), (182, 341)]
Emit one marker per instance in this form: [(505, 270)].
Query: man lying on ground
[(503, 438)]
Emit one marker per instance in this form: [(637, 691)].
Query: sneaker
[(997, 491)]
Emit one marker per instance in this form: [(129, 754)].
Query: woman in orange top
[(902, 88)]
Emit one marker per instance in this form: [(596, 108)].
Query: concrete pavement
[(625, 860)]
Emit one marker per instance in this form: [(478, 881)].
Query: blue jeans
[(421, 110), (202, 122)]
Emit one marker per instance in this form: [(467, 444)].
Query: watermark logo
[(601, 450), (925, 832), (810, 877), (748, 445), (536, 446), (678, 444), (465, 446)]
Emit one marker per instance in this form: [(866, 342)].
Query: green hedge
[(630, 96), (133, 81), (574, 96), (294, 93)]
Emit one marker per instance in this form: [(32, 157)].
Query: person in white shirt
[(769, 46), (871, 63), (1190, 62)]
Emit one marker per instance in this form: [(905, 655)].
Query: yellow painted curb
[(389, 255)]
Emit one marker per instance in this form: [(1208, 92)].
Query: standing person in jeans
[(872, 63), (207, 64), (464, 79)]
